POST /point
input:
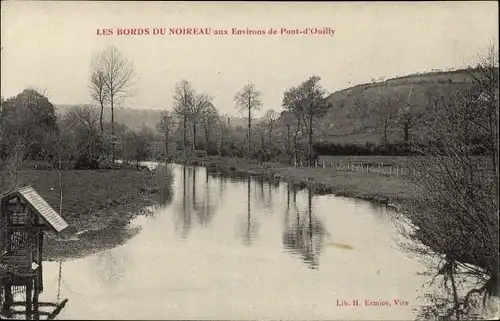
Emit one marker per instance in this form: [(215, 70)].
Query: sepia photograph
[(175, 160)]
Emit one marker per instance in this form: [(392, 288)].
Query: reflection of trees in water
[(264, 194), (303, 231), (164, 179), (454, 290), (250, 228), (111, 267), (193, 206), (453, 294), (206, 211), (222, 188)]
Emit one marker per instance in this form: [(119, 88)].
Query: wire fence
[(359, 167)]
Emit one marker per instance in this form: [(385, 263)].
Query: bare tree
[(183, 102), (200, 104), (138, 145), (308, 101), (293, 102), (97, 86), (248, 100), (118, 76), (209, 119), (61, 150), (80, 125), (386, 111), (225, 131), (410, 116), (456, 213), (166, 126), (270, 120)]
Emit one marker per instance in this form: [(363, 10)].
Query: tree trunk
[(262, 147), (194, 135), (289, 149), (249, 129), (184, 138), (310, 140), (406, 132), (100, 119), (166, 145), (207, 134), (221, 139), (112, 132), (295, 144)]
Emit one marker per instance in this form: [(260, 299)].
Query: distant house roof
[(53, 219)]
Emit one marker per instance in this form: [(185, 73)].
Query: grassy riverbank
[(384, 189), (97, 204)]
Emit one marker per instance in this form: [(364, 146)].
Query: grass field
[(98, 202)]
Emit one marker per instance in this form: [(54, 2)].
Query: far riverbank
[(373, 187)]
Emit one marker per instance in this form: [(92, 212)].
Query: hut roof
[(54, 220)]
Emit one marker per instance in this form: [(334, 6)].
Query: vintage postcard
[(249, 160)]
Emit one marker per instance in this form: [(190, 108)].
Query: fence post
[(390, 170)]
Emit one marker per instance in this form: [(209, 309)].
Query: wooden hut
[(24, 217)]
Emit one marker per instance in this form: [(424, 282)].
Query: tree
[(166, 126), (386, 111), (315, 105), (26, 119), (138, 145), (117, 75), (260, 131), (9, 168), (80, 128), (200, 104), (456, 213), (60, 150), (97, 87), (293, 102), (287, 118), (270, 120), (409, 115), (209, 118), (248, 100), (183, 101)]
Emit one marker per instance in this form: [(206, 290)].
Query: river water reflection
[(244, 249)]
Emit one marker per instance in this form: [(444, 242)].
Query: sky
[(48, 45)]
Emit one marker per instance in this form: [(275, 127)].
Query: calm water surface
[(243, 249)]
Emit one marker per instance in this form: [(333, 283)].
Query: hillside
[(356, 115)]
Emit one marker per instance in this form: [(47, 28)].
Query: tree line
[(263, 140)]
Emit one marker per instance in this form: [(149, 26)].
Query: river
[(244, 249)]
